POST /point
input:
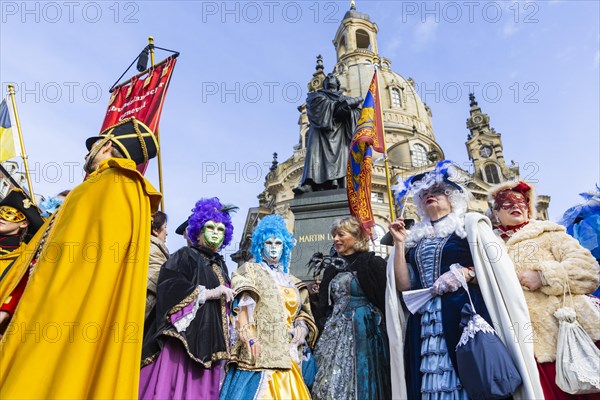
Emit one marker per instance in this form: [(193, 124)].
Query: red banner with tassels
[(142, 98)]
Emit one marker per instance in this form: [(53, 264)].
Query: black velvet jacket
[(370, 269), (206, 338)]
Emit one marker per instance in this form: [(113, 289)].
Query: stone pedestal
[(313, 213)]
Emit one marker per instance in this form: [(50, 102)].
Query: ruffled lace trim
[(476, 324), (439, 381), (263, 387), (453, 223), (432, 345), (247, 301), (576, 351), (582, 366), (281, 278), (182, 324)]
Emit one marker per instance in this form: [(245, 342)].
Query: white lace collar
[(443, 227), (281, 278)]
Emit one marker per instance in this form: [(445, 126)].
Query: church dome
[(352, 13)]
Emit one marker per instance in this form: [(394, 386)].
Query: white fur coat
[(545, 246)]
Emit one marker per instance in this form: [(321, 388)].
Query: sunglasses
[(434, 191)]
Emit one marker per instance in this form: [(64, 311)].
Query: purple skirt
[(173, 375)]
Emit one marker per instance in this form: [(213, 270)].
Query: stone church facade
[(411, 143)]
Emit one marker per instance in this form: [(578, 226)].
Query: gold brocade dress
[(287, 384), (271, 384)]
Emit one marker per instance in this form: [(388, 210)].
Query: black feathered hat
[(17, 200), (181, 228)]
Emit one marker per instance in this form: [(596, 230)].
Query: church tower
[(485, 151), (407, 120), (484, 147)]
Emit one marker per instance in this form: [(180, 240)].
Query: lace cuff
[(247, 301), (183, 318), (301, 324)]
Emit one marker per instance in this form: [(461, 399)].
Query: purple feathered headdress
[(210, 210)]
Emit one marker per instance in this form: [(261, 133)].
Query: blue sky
[(244, 69)]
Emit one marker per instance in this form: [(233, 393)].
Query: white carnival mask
[(273, 249)]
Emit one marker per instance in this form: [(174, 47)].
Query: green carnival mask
[(213, 234)]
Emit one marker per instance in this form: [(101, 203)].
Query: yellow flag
[(8, 148)]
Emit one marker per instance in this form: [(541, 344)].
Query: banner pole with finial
[(157, 133), (11, 93), (377, 64)]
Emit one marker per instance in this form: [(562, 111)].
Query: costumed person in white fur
[(448, 235), (546, 260)]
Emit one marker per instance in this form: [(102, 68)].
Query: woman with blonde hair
[(352, 352)]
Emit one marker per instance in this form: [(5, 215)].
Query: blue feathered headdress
[(49, 206), (591, 206), (583, 222), (272, 226)]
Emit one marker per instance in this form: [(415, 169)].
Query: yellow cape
[(10, 277), (77, 332)]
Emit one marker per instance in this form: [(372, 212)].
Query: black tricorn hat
[(17, 199), (181, 228), (133, 139)]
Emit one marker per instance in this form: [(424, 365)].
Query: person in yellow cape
[(77, 332)]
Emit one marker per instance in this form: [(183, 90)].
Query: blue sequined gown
[(352, 352)]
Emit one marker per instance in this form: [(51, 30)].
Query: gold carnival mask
[(11, 214)]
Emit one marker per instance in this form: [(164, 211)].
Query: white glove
[(218, 292), (446, 283), (299, 333)]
